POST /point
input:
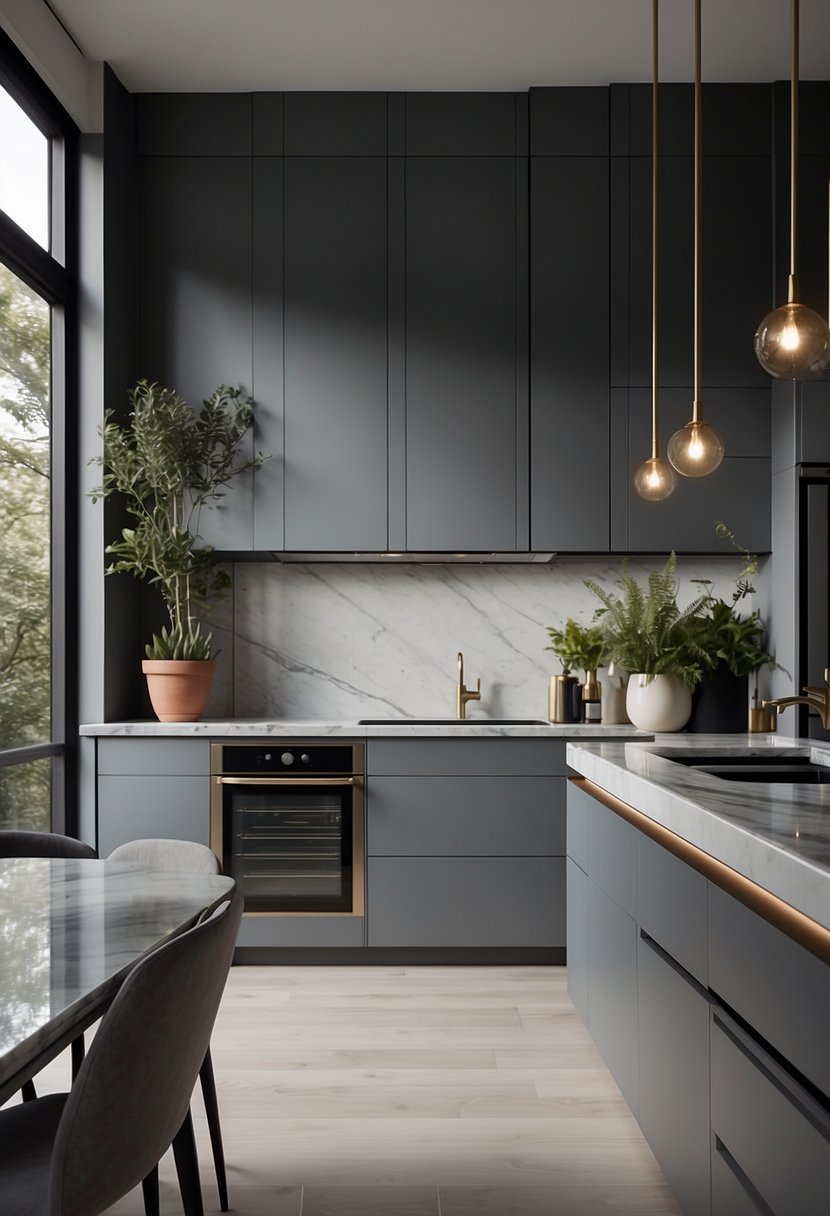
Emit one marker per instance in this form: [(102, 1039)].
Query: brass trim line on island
[(802, 929)]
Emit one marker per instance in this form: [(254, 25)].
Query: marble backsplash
[(370, 640)]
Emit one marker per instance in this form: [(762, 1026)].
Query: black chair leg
[(78, 1049), (187, 1168), (29, 1093), (150, 1187), (212, 1112)]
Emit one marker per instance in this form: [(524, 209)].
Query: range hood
[(436, 558)]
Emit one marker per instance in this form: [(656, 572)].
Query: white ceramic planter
[(658, 703)]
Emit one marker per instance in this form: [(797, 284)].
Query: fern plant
[(165, 463), (644, 628)]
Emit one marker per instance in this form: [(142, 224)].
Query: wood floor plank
[(437, 1091)]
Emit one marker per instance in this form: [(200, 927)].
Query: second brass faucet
[(463, 694), (816, 698)]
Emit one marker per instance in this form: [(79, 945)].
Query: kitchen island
[(698, 943)]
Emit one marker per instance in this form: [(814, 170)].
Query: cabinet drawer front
[(579, 805), (612, 855), (466, 816), (612, 990), (729, 1197), (466, 757), (671, 906), (779, 1137), (466, 901), (776, 985), (169, 808), (292, 932), (187, 757)]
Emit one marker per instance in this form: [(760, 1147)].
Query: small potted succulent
[(165, 463)]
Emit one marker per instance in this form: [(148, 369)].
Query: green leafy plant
[(578, 646), (644, 628), (165, 462), (723, 635)]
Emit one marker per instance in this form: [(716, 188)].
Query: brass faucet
[(816, 698), (462, 694)]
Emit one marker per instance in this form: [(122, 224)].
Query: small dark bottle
[(591, 699)]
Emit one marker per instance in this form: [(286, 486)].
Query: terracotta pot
[(178, 688), (658, 703)]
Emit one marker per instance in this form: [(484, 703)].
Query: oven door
[(294, 845)]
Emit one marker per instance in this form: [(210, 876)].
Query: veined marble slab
[(289, 728), (777, 835)]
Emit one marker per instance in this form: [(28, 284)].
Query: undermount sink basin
[(755, 766), (452, 722)]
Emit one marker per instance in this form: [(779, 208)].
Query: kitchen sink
[(452, 722), (755, 766)]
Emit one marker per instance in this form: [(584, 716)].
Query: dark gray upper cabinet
[(195, 236), (461, 353), (458, 325), (738, 493), (335, 353), (736, 280), (569, 327)]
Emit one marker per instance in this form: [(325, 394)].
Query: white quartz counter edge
[(287, 728), (779, 838)]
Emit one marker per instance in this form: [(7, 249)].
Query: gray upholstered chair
[(46, 844), (75, 1154), (195, 858), (42, 844)]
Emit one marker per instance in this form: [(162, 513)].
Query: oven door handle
[(299, 782)]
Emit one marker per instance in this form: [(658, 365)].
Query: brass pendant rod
[(696, 412), (655, 43), (792, 286)]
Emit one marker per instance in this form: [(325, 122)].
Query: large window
[(37, 341)]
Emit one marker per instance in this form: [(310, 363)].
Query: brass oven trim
[(355, 780)]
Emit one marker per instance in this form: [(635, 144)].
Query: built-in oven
[(287, 822)]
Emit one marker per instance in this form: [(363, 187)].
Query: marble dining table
[(70, 932)]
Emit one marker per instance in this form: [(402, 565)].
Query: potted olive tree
[(652, 638), (165, 463)]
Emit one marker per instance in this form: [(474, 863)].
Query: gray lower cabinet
[(466, 843), (466, 901), (152, 788), (735, 1109), (612, 989), (769, 1130), (673, 1041)]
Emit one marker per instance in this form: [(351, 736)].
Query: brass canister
[(561, 698)]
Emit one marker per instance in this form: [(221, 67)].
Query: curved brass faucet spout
[(463, 694), (817, 699)]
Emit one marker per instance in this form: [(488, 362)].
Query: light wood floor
[(414, 1091)]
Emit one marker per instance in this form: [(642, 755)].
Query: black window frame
[(53, 274)]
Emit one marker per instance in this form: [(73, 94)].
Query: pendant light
[(697, 448), (793, 342), (655, 479)]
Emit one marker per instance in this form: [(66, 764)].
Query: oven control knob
[(305, 758), (287, 758)]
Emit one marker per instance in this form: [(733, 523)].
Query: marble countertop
[(288, 728), (777, 835)]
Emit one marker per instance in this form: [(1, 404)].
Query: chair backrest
[(42, 844), (168, 855), (133, 1091)]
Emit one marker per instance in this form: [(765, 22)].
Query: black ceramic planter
[(720, 704)]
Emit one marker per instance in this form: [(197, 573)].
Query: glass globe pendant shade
[(655, 479), (696, 449), (793, 343)]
